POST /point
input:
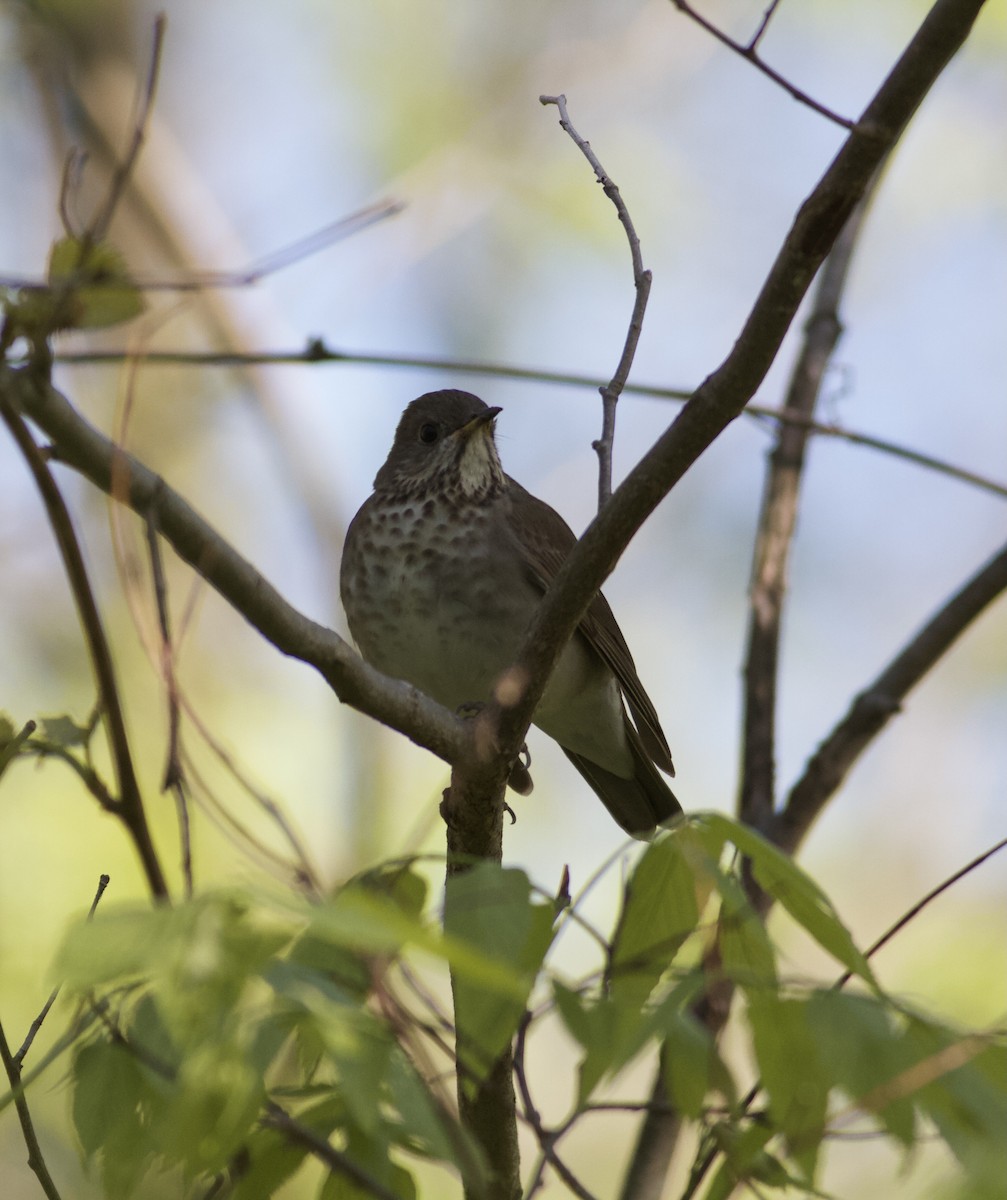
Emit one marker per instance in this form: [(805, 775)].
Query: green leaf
[(783, 879), (660, 911), (792, 1075), (106, 1091), (271, 1159), (66, 732), (689, 1057), (746, 953), (102, 291), (490, 909), (862, 1049), (960, 1082), (114, 945)]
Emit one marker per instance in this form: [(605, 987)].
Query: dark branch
[(79, 445), (881, 700), (777, 522), (129, 806)]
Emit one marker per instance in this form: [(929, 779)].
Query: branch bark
[(724, 394), (79, 445)]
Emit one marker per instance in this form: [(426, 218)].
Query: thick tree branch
[(724, 394), (79, 445)]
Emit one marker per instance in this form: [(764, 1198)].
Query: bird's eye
[(428, 433)]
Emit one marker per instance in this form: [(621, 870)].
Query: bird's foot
[(519, 779)]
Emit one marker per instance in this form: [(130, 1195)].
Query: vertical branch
[(777, 522), (612, 390), (129, 805), (473, 810)]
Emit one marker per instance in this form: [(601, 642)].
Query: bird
[(442, 570)]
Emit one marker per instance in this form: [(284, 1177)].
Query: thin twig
[(10, 750), (103, 218), (339, 1163), (750, 54), (612, 390), (756, 37), (36, 1025), (317, 353), (173, 779), (36, 1159), (545, 1138), (254, 272), (129, 807)]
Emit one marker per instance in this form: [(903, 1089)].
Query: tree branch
[(36, 1159), (872, 709), (724, 394), (78, 444), (129, 806), (777, 523)]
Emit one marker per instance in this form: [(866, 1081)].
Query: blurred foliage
[(184, 1027), (197, 1033)]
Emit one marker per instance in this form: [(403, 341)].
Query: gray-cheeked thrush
[(442, 570)]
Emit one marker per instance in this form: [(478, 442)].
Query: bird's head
[(444, 446)]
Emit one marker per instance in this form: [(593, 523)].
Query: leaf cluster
[(240, 1033)]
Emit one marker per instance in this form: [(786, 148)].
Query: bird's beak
[(484, 420)]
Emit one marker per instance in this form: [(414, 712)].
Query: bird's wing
[(546, 540)]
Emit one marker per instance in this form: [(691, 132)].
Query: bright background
[(273, 120)]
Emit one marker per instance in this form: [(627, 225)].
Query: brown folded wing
[(547, 540)]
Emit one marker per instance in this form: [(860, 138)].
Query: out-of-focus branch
[(316, 353), (612, 390), (874, 707), (78, 444), (129, 804), (777, 522)]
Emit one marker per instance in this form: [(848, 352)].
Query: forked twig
[(749, 52)]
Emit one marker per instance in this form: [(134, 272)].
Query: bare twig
[(767, 16), (317, 353), (254, 272), (103, 218), (129, 806), (777, 522), (546, 1139), (612, 390), (321, 1148), (174, 776), (36, 1025), (9, 751), (881, 700), (36, 1159), (749, 52)]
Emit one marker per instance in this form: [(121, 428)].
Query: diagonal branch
[(78, 444), (871, 711), (723, 395)]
